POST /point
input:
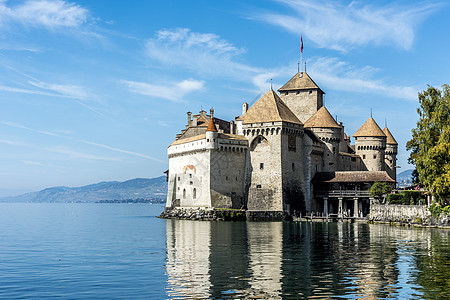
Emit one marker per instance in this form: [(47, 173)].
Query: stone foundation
[(204, 214), (222, 214), (406, 214)]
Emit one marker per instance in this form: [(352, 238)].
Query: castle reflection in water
[(298, 260)]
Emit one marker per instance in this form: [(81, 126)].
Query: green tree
[(430, 143), (379, 189)]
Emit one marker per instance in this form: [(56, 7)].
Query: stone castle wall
[(399, 213), (227, 177), (189, 180), (265, 177), (303, 103), (371, 150)]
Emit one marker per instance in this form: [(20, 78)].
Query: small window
[(353, 158), (226, 178), (293, 167), (364, 156), (184, 193), (178, 178), (310, 92), (261, 166), (258, 186), (331, 164), (298, 92), (194, 193), (374, 157), (190, 175), (191, 183)]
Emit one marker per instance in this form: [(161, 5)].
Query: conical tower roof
[(211, 125), (321, 119), (389, 137), (300, 81), (370, 128), (270, 108)]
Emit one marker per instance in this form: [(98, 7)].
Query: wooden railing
[(342, 193)]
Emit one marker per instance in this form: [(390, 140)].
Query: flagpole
[(301, 51)]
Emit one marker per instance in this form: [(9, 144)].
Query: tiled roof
[(353, 176), (270, 108), (189, 139), (370, 128), (321, 119), (232, 137), (223, 136), (300, 81), (389, 137), (211, 125)]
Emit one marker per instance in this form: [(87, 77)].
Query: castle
[(285, 153)]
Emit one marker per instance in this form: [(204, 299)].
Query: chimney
[(211, 112), (244, 107), (194, 121), (189, 118)]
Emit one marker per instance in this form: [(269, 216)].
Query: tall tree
[(430, 143)]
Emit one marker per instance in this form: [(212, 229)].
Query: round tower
[(212, 136), (329, 132), (390, 155), (370, 145)]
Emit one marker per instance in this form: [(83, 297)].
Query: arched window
[(184, 193), (194, 193)]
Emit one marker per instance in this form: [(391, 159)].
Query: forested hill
[(155, 188)]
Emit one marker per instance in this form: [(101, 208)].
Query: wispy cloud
[(77, 154), (342, 76), (74, 153), (173, 91), (343, 26), (50, 14), (79, 94), (202, 53), (206, 53), (32, 163)]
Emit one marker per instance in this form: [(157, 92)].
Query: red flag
[(301, 42)]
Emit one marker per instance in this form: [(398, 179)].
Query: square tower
[(302, 95)]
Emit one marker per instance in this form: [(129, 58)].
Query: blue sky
[(96, 90)]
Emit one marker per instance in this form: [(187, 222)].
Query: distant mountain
[(404, 178), (111, 190)]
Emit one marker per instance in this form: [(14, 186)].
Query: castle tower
[(326, 128), (302, 95), (274, 170), (212, 135), (390, 155), (370, 145)]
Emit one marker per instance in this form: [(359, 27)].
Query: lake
[(122, 251)]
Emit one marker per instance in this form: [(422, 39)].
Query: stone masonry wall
[(414, 214)]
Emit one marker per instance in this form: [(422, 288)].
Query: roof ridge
[(322, 118), (369, 128)]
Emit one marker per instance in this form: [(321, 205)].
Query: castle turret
[(302, 95), (370, 145), (329, 132), (390, 155), (212, 135)]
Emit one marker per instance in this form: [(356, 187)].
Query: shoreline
[(233, 215)]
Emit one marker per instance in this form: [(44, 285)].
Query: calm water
[(121, 251)]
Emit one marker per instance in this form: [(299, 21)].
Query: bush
[(437, 209), (406, 198), (395, 199)]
